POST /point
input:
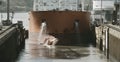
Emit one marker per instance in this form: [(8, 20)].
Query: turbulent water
[(17, 17)]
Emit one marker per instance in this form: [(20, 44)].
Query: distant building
[(102, 10), (104, 5)]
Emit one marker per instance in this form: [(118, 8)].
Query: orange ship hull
[(59, 23)]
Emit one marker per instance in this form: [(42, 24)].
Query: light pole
[(8, 9), (83, 5), (0, 2), (101, 13)]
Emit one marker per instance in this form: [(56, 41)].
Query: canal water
[(38, 53)]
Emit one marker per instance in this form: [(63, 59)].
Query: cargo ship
[(69, 23)]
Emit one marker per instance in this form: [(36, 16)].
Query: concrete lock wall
[(114, 43), (10, 44), (109, 43), (60, 24)]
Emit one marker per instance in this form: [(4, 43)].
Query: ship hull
[(61, 24)]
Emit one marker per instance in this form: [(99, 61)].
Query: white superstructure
[(46, 5)]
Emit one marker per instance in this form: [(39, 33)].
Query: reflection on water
[(36, 50), (39, 53)]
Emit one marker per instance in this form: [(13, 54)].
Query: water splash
[(42, 32), (77, 30), (45, 39), (76, 26)]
